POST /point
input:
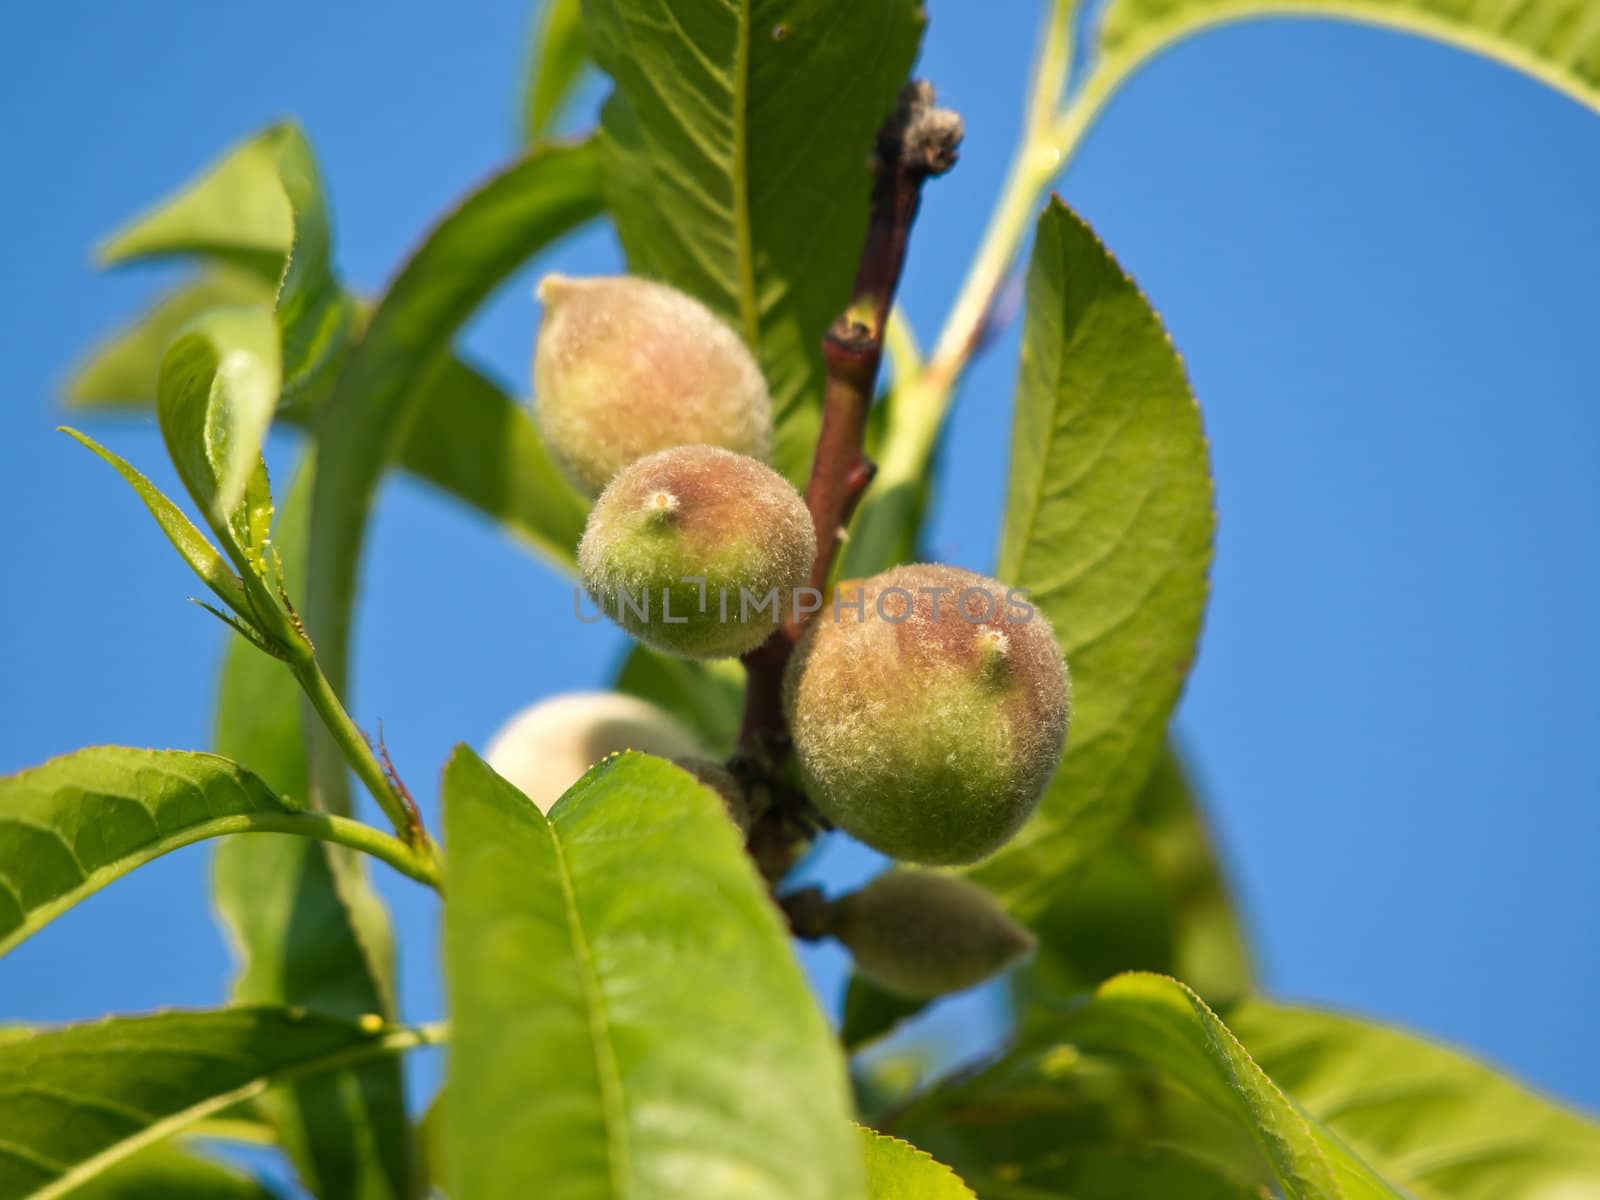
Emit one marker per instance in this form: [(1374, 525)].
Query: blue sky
[(1377, 255)]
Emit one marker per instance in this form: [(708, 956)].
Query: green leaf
[(736, 143), (363, 425), (1162, 1024), (76, 1101), (432, 1163), (1065, 1108), (259, 718), (246, 1123), (308, 929), (1438, 1124), (120, 372), (73, 825), (1117, 1173), (189, 542), (215, 394), (235, 210), (1555, 41), (1155, 899), (259, 208), (469, 438), (707, 695), (310, 932), (165, 1173), (215, 397), (626, 1001), (78, 822), (478, 445), (897, 1170), (1108, 524), (1050, 1119), (557, 63)]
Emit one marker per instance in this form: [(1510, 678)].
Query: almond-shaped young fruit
[(697, 551), (928, 707), (923, 934), (624, 367)]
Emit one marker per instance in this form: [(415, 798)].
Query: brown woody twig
[(917, 142)]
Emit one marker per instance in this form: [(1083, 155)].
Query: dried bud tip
[(927, 139), (934, 143), (916, 98), (662, 502)]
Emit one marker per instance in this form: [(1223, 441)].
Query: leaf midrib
[(1040, 475), (317, 1064), (318, 826), (1140, 45), (605, 1056), (749, 312)]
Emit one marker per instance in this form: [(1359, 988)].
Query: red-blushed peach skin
[(717, 532), (625, 367), (932, 737)]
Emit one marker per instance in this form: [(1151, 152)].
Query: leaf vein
[(610, 1075)]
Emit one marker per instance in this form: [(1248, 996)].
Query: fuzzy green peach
[(923, 934), (928, 707), (697, 551), (624, 367)]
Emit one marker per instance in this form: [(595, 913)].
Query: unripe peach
[(928, 707), (546, 747), (923, 934), (626, 366), (697, 551)]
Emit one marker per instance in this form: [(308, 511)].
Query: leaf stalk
[(357, 751)]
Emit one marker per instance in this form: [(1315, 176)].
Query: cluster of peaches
[(927, 705)]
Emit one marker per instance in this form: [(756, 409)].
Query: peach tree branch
[(917, 142)]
